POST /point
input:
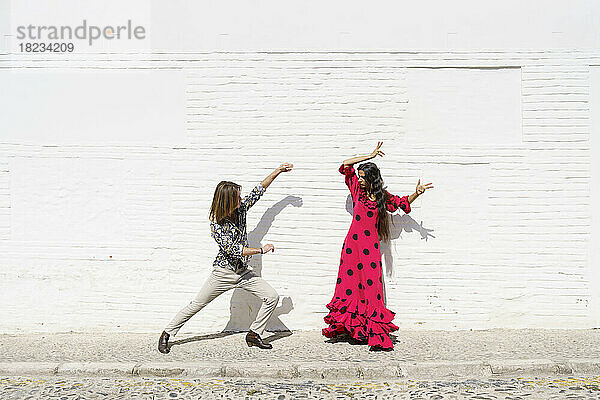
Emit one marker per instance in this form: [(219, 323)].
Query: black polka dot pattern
[(373, 265), (359, 266), (350, 272), (348, 292), (366, 251), (357, 218), (355, 236), (339, 280), (367, 232), (369, 214), (370, 282)]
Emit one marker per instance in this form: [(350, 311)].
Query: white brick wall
[(110, 232)]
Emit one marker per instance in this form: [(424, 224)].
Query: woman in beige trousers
[(228, 228)]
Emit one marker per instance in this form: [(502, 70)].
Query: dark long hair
[(375, 186)]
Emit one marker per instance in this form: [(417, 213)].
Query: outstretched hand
[(268, 247), (421, 188)]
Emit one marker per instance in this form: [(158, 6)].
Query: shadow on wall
[(398, 223), (244, 306)]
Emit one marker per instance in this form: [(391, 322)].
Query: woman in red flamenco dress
[(357, 307)]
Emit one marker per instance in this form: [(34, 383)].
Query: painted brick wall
[(112, 233)]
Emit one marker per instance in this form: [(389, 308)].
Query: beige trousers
[(220, 281)]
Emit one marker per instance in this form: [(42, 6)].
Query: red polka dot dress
[(357, 306)]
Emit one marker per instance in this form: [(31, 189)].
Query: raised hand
[(285, 167), (421, 188), (377, 151)]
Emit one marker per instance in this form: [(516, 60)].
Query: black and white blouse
[(232, 238)]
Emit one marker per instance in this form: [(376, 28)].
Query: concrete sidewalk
[(307, 355)]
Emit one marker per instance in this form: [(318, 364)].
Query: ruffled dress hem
[(362, 321)]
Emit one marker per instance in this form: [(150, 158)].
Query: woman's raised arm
[(374, 153), (285, 167)]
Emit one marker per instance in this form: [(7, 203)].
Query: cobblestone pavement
[(168, 388), (305, 346)]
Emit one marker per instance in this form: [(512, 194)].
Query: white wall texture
[(109, 159)]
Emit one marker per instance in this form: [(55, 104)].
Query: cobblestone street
[(170, 388)]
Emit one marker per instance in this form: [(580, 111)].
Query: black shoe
[(357, 342), (379, 348), (163, 343), (253, 339)]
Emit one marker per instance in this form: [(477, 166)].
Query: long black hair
[(375, 186)]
